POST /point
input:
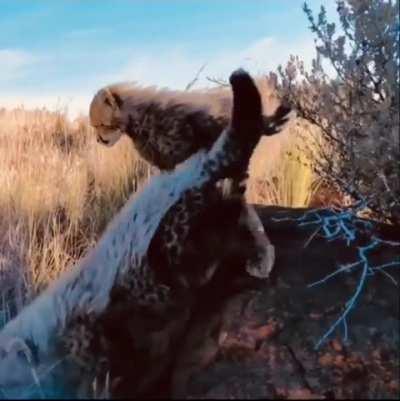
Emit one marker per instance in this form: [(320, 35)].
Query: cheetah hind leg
[(261, 263)]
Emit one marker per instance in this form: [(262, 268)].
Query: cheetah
[(167, 127), (136, 273)]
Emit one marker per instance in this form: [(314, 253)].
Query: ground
[(260, 342)]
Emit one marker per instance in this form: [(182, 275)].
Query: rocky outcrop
[(260, 342)]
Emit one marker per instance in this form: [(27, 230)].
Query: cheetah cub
[(167, 127)]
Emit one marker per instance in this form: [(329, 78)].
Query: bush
[(357, 110)]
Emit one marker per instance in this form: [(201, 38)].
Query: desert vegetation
[(356, 105)]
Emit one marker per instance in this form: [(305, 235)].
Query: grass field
[(59, 188)]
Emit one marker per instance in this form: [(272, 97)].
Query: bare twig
[(218, 81), (196, 77), (343, 225)]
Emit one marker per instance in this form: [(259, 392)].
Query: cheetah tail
[(247, 106)]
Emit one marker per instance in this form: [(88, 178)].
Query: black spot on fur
[(34, 350), (130, 127), (168, 236), (179, 230), (210, 164)]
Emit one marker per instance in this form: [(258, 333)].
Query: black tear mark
[(117, 99)]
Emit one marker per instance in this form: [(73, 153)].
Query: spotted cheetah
[(126, 290), (167, 127)]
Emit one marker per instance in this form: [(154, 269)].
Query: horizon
[(60, 54)]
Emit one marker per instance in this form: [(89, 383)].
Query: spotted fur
[(166, 127), (119, 297)]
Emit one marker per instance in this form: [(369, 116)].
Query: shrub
[(356, 107)]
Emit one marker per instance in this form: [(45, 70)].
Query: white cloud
[(262, 56), (173, 67), (13, 63)]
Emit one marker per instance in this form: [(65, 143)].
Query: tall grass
[(58, 190)]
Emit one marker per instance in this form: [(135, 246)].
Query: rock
[(260, 343)]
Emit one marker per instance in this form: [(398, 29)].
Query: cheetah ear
[(113, 99)]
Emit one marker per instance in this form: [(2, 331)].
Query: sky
[(59, 53)]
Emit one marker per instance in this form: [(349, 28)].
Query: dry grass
[(59, 188), (282, 171)]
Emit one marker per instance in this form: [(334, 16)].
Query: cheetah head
[(17, 372), (106, 116)]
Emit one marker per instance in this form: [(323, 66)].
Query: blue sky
[(61, 52)]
